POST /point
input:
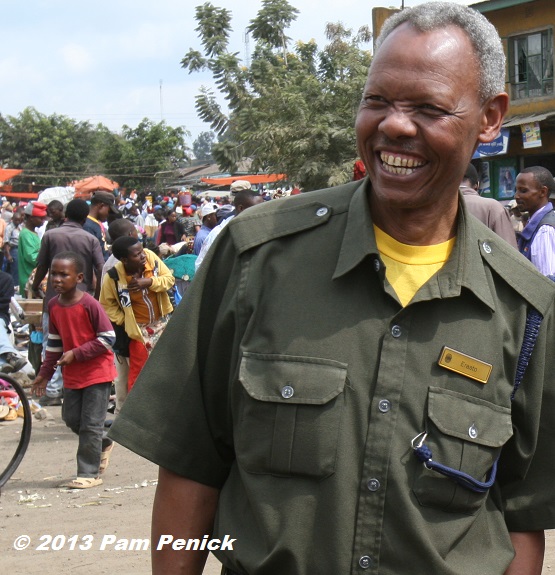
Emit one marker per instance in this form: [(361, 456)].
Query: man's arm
[(503, 227), (543, 250), (184, 509), (98, 265), (529, 551), (43, 264)]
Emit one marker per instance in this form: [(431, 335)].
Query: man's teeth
[(398, 165)]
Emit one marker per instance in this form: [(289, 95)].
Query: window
[(531, 65)]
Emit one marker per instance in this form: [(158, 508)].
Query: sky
[(116, 62)]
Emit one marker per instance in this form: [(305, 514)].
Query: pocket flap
[(291, 379), (469, 418)]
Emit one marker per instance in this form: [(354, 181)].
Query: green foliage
[(291, 111), (202, 146), (138, 154), (271, 22), (55, 150), (51, 149)]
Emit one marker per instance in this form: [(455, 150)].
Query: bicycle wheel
[(7, 382)]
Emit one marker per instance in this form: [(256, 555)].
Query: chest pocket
[(467, 434), (290, 411)]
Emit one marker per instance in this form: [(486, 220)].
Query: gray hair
[(481, 33)]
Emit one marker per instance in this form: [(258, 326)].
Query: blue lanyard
[(424, 453)]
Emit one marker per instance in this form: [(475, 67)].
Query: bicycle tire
[(25, 432)]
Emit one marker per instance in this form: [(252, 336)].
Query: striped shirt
[(84, 328)]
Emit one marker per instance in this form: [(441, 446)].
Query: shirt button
[(384, 405), (373, 484), (365, 562), (487, 247), (472, 432), (287, 391), (396, 331), (377, 265), (321, 212)]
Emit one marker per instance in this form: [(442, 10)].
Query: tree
[(55, 150), (137, 155), (202, 146), (291, 112), (51, 150)]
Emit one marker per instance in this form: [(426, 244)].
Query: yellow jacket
[(117, 303)]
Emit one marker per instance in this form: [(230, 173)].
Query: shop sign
[(531, 135), (496, 148)]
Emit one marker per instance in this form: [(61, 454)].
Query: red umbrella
[(85, 188)]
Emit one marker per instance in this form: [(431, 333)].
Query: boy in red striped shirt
[(80, 340)]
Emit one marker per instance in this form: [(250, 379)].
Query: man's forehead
[(447, 39), (528, 178)]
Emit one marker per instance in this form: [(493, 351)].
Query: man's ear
[(493, 112)]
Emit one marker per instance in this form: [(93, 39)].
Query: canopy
[(9, 193), (6, 174), (253, 179), (85, 188), (64, 195), (213, 194)]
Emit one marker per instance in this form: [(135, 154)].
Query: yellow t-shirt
[(408, 268)]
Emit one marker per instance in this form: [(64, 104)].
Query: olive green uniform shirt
[(291, 378)]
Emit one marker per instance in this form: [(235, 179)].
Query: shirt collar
[(464, 268), (70, 224), (358, 240)]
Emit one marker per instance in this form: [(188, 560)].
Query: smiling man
[(298, 425)]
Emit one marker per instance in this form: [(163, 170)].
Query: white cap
[(207, 209), (239, 185)]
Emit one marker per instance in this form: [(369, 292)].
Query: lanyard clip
[(419, 440)]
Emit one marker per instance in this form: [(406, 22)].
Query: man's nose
[(398, 124)]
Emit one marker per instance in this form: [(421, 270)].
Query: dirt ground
[(32, 505), (36, 512)]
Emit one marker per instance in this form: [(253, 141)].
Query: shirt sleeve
[(105, 335), (503, 227), (543, 250), (109, 299), (187, 428), (29, 248), (164, 280), (526, 472)]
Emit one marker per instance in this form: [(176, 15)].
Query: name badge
[(465, 364)]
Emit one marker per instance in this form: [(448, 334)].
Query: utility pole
[(247, 48), (161, 103)]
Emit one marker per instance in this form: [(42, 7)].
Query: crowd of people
[(395, 415), (101, 269)]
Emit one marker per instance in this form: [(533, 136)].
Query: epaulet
[(287, 216), (515, 270)]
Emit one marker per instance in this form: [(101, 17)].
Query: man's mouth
[(395, 164)]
